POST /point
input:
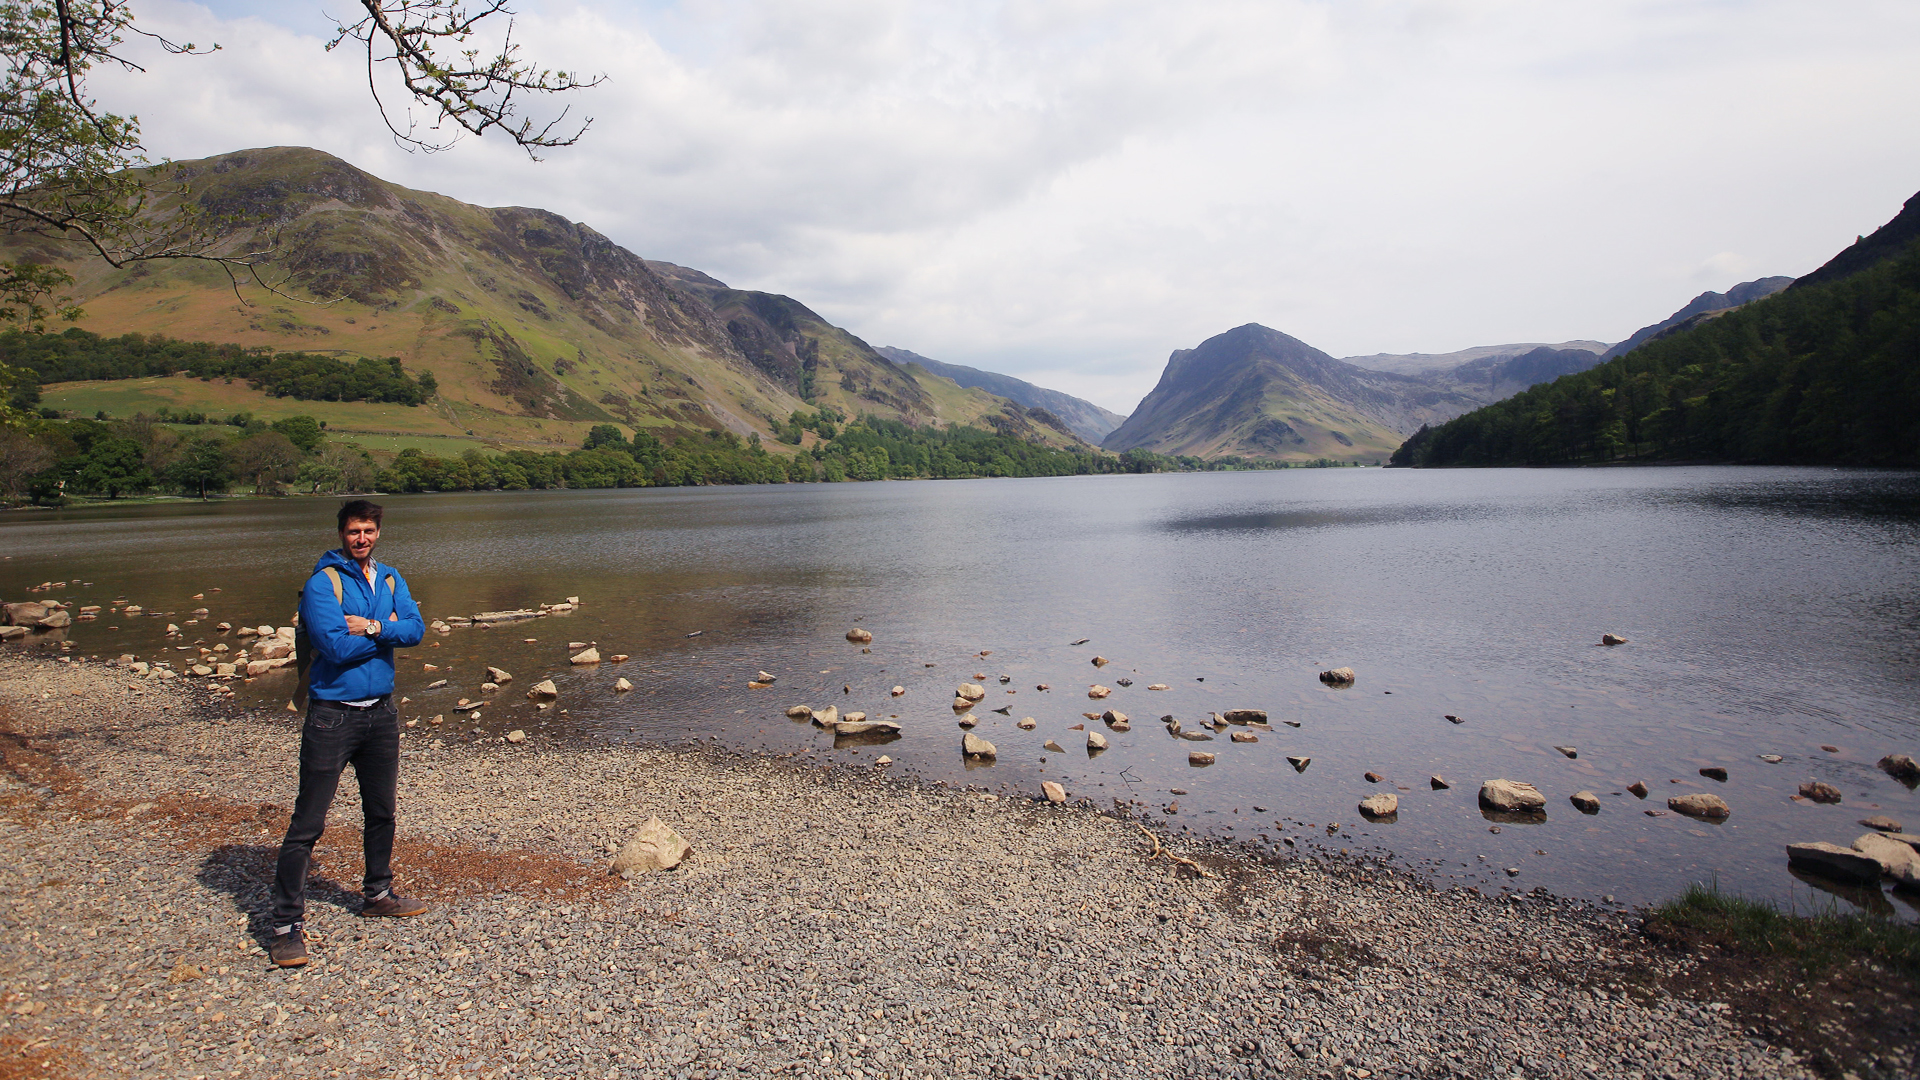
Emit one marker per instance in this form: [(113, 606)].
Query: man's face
[(358, 538)]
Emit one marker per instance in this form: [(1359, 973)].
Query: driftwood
[(1171, 857)]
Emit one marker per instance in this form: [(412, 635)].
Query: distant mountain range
[(1417, 363), (1255, 392), (1701, 308), (1087, 420), (1823, 372)]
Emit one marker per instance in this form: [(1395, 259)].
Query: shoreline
[(831, 921)]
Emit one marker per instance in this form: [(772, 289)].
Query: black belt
[(381, 704)]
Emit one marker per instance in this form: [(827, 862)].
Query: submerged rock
[(1343, 676)]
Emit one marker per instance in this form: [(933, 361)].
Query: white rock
[(1511, 795), (799, 712), (654, 847), (971, 691), (1096, 741), (586, 656), (499, 675), (516, 736), (1343, 676), (1054, 792), (622, 685), (544, 688), (1027, 723), (1380, 805), (974, 746), (1898, 861), (1701, 804), (1098, 691)]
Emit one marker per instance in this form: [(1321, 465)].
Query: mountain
[(1418, 363), (1089, 421), (1256, 392), (1701, 308), (1824, 373), (1887, 241), (534, 327)]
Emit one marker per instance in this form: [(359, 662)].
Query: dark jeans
[(334, 737)]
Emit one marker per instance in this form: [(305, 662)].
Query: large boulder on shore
[(1511, 795), (1833, 861), (655, 847)]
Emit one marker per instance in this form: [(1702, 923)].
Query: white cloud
[(1066, 190)]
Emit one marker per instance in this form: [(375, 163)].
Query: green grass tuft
[(1817, 940)]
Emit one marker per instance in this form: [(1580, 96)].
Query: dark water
[(1769, 611)]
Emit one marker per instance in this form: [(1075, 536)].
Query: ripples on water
[(1769, 611)]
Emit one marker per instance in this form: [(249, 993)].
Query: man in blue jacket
[(354, 612)]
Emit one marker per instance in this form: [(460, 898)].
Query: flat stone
[(1772, 759), (1158, 686), (1245, 737), (1199, 758), (864, 727), (655, 847), (1511, 795), (1245, 716), (1834, 861), (1700, 804), (1881, 823)]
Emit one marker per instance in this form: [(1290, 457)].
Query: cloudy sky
[(1067, 190)]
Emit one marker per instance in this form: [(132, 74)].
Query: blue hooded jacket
[(354, 667)]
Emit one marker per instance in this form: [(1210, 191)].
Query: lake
[(1768, 611)]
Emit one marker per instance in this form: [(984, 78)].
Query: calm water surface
[(1769, 611)]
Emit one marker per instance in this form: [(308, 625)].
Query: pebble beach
[(829, 922)]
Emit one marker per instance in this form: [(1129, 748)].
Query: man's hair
[(359, 510)]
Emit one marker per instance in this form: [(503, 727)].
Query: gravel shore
[(829, 923)]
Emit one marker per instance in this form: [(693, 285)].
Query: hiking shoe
[(289, 950), (393, 906)]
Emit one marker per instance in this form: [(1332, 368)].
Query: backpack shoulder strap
[(339, 591)]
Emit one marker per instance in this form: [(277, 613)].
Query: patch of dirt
[(1852, 1017)]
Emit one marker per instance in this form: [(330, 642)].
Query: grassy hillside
[(1821, 374), (534, 328)]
